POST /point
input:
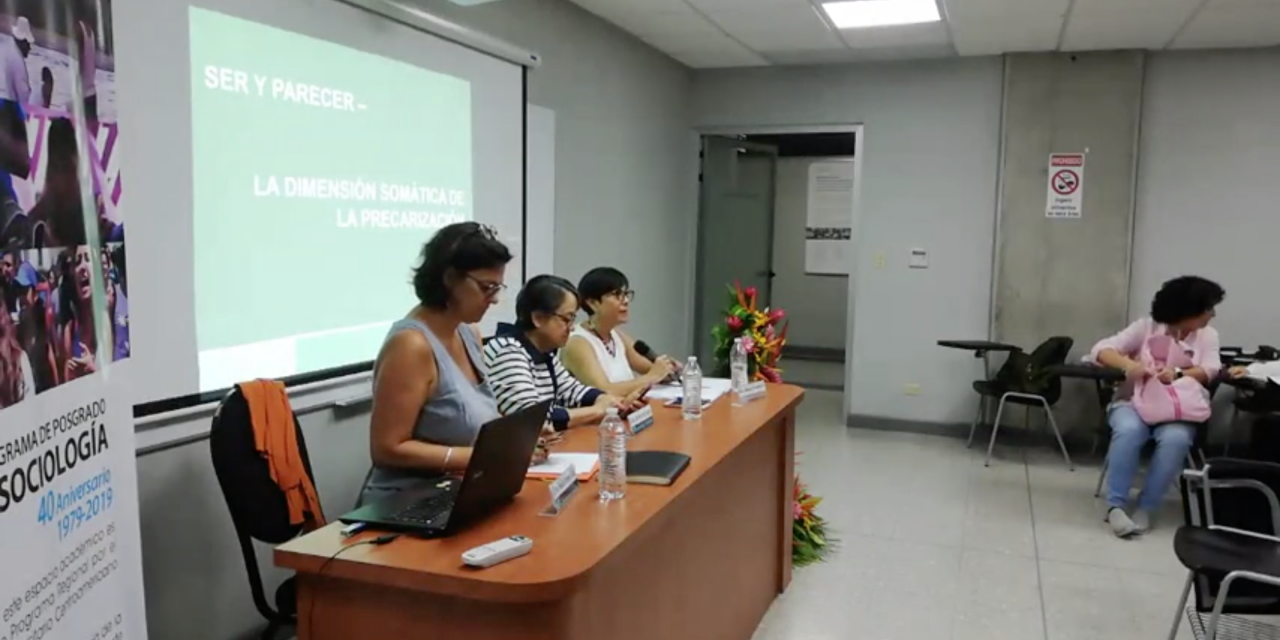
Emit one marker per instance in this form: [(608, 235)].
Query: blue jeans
[(1128, 435)]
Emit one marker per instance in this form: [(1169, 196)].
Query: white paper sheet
[(828, 229), (582, 463), (712, 389)]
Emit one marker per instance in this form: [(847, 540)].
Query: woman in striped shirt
[(523, 360)]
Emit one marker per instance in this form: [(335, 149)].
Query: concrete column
[(1057, 276)]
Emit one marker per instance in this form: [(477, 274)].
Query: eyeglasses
[(624, 295), (489, 289), (567, 318)]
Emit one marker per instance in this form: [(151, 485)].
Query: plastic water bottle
[(738, 366), (613, 456), (691, 404)]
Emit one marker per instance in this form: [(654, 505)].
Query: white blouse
[(615, 365)]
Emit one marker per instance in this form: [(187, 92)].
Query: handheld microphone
[(649, 354), (645, 350)]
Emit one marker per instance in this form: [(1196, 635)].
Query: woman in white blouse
[(599, 353)]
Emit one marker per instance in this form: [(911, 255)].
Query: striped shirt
[(522, 377)]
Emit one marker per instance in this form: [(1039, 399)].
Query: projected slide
[(319, 171)]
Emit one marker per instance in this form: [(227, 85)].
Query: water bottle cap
[(693, 358), (612, 412)]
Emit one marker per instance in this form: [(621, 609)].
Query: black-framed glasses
[(624, 295), (567, 318), (489, 289)]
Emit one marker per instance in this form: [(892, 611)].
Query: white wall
[(816, 305), (1207, 176), (626, 175), (625, 194), (930, 158)]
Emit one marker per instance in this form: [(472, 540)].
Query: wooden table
[(701, 559)]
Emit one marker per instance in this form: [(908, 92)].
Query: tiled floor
[(934, 546)]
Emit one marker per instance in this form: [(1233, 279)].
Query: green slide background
[(273, 267)]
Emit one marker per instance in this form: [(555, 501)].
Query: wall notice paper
[(1066, 185), (828, 231)]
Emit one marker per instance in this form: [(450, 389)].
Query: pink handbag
[(1183, 400)]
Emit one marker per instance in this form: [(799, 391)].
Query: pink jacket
[(1201, 347)]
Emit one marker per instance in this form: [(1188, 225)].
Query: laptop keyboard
[(425, 511)]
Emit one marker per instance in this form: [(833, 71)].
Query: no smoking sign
[(1065, 182), (1066, 185)]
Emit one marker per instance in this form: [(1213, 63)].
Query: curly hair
[(1184, 298), (459, 248)]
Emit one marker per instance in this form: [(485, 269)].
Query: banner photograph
[(48, 334)]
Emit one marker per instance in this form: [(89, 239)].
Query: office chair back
[(259, 510), (1239, 507)]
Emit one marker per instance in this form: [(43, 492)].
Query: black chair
[(258, 507), (1024, 379), (1230, 548)]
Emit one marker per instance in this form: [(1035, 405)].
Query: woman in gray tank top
[(430, 395)]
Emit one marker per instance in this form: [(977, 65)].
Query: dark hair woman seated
[(1181, 309), (599, 353), (523, 360), (430, 396)]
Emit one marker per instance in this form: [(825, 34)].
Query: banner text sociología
[(49, 462)]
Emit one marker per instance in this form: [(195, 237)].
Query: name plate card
[(753, 391), (640, 419), (563, 488)]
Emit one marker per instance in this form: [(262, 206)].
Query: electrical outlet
[(880, 260), (911, 389)]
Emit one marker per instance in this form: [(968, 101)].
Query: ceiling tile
[(914, 52), (1125, 24), (910, 35), (798, 14), (797, 27), (781, 40), (811, 56), (990, 27), (765, 40), (669, 31), (626, 9), (1232, 23), (721, 58), (722, 5)]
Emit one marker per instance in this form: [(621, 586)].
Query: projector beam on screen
[(304, 96), (353, 190)]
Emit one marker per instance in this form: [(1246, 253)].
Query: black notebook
[(655, 467)]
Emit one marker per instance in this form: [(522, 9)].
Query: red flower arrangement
[(809, 540), (760, 333)]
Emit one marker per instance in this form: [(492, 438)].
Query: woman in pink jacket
[(1181, 310)]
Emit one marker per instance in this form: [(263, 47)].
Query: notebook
[(585, 465), (655, 467)]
